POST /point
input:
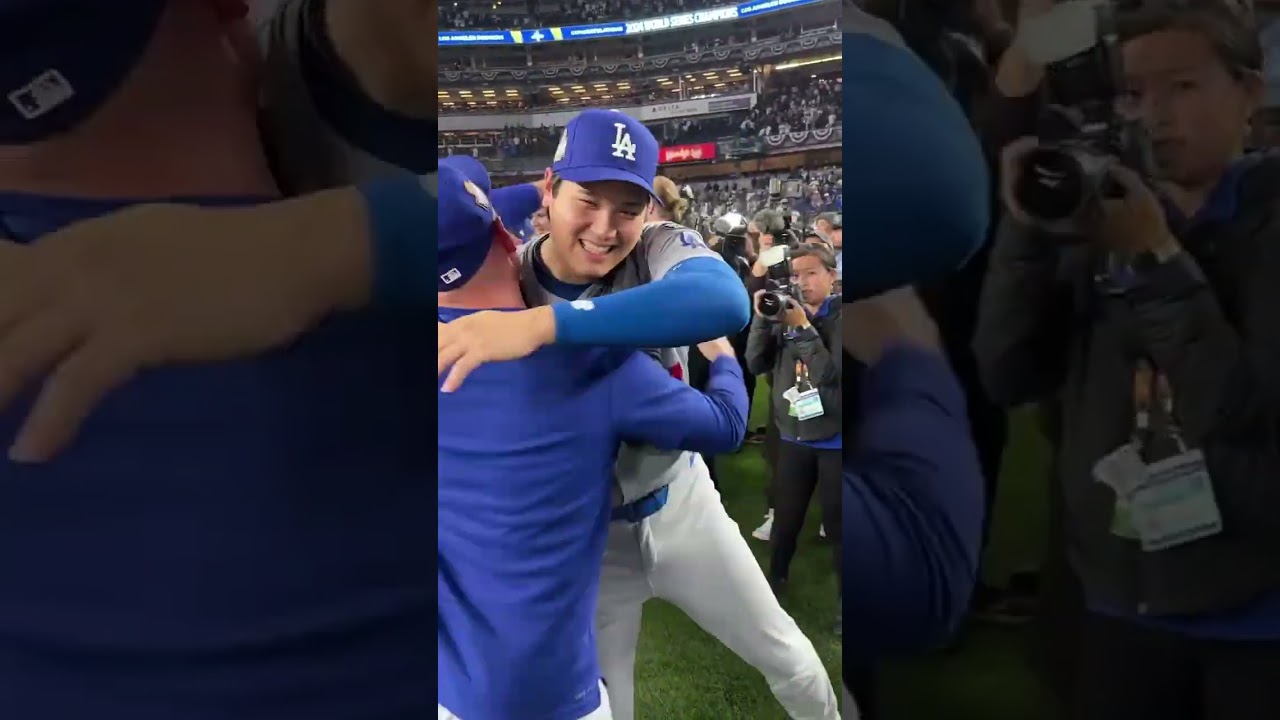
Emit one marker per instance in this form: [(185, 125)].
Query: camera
[(778, 291), (783, 229), (732, 230), (1061, 183)]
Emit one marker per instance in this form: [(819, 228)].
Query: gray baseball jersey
[(640, 470)]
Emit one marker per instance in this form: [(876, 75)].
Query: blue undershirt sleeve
[(698, 300)]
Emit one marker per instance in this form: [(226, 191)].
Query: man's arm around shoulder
[(912, 502), (652, 407)]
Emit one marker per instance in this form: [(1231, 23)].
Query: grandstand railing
[(726, 149), (650, 112), (751, 52)]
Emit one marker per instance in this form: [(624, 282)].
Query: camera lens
[(771, 304), (1051, 185)]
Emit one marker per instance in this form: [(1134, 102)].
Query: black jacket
[(819, 349), (1208, 321)]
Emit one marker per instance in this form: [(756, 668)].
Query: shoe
[(754, 437), (766, 528), (822, 531)]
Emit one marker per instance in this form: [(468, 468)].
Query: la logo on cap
[(563, 147), (478, 195), (623, 146)]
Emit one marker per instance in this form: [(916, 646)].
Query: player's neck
[(557, 267), (483, 296), (181, 125)]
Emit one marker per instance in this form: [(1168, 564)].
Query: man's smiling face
[(594, 226)]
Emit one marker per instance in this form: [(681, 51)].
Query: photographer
[(768, 228), (1152, 320), (799, 345), (765, 225), (731, 231)]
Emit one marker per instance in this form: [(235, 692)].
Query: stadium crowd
[(808, 192)]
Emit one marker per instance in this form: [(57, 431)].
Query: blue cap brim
[(584, 175), (60, 60)]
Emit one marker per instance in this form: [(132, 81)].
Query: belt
[(637, 510)]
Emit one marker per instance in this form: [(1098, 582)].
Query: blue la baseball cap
[(61, 59), (471, 168), (468, 226), (600, 145)]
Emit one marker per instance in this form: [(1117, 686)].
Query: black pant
[(862, 685), (799, 471), (1130, 671), (771, 441)]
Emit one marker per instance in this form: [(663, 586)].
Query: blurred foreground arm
[(91, 305), (912, 486), (919, 194)]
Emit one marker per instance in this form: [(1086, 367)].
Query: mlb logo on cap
[(600, 145)]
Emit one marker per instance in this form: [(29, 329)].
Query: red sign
[(687, 153)]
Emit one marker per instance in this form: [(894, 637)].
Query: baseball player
[(671, 536), (524, 507)]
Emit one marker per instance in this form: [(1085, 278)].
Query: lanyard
[(1151, 389)]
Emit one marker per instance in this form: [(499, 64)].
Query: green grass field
[(684, 674)]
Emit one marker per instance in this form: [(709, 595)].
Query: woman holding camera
[(795, 337)]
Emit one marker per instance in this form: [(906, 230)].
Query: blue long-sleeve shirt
[(912, 507), (526, 453)]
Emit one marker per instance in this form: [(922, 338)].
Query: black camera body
[(731, 228), (1061, 183), (779, 291), (788, 235)]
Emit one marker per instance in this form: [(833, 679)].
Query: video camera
[(1061, 183), (778, 291), (732, 230)]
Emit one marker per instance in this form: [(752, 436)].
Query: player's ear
[(548, 188)]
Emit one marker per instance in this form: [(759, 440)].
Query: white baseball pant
[(692, 554), (600, 713)]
